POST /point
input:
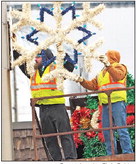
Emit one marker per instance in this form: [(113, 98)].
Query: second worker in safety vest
[(113, 76)]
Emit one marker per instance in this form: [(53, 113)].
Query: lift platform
[(113, 157)]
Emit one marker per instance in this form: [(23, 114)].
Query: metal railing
[(35, 120)]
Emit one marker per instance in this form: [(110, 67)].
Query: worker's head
[(38, 61), (113, 56), (45, 55)]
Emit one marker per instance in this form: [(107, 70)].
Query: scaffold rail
[(35, 122)]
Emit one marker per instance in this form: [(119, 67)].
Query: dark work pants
[(54, 118)]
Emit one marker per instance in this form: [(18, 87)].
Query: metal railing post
[(34, 130), (43, 141), (111, 122)]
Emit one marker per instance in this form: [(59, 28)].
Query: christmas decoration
[(93, 147), (81, 119), (78, 122), (131, 92), (131, 108), (58, 36)]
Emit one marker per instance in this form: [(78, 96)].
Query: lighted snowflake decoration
[(58, 36)]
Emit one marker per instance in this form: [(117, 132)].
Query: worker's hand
[(79, 79), (104, 59), (13, 38)]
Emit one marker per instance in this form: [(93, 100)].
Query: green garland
[(131, 100), (93, 147), (131, 92), (92, 103), (132, 137)]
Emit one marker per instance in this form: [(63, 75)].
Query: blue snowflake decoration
[(89, 34), (42, 10), (67, 58), (68, 9), (74, 61), (29, 37)]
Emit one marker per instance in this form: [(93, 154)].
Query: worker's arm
[(117, 72), (16, 56), (91, 85), (23, 66)]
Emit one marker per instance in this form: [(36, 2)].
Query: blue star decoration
[(82, 40), (29, 37)]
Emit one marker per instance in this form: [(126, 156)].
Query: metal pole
[(14, 70), (7, 139), (15, 95), (83, 131), (34, 133), (111, 122), (80, 94), (43, 141)]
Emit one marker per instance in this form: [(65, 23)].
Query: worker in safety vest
[(53, 114), (113, 76)]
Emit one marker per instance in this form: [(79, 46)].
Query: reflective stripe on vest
[(43, 86), (38, 83), (111, 86)]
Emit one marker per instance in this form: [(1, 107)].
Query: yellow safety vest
[(40, 88), (106, 83)]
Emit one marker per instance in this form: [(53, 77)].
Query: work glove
[(104, 60), (79, 79)]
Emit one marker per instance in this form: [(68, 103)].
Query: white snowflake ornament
[(58, 36)]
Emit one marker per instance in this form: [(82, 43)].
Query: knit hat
[(113, 56), (46, 54)]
